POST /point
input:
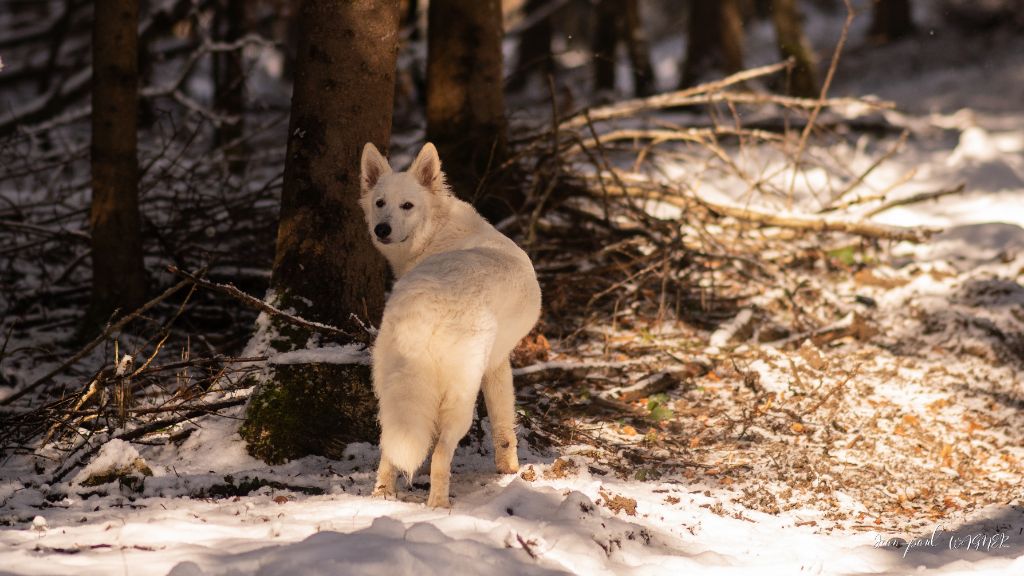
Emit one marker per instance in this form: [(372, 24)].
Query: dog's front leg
[(386, 473)]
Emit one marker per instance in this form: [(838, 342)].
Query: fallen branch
[(817, 224), (257, 304), (698, 135), (651, 190), (668, 100)]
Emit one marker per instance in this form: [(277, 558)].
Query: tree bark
[(890, 20), (325, 268), (119, 279), (465, 97), (714, 40), (789, 34)]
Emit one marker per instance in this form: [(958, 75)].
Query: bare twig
[(256, 303), (916, 198), (878, 162), (153, 426), (821, 98), (110, 329)]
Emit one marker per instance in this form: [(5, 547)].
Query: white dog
[(465, 296)]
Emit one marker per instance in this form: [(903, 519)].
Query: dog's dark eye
[(380, 203), (407, 206)]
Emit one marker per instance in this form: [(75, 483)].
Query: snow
[(554, 524), (348, 354), (115, 454)]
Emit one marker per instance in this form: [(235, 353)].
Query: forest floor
[(709, 399)]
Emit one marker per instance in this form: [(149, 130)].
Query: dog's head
[(398, 205)]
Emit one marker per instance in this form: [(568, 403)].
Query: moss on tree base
[(310, 409)]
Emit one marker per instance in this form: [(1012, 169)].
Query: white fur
[(465, 296)]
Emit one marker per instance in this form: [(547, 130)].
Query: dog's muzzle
[(382, 231)]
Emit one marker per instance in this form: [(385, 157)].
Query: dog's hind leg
[(501, 410), (386, 474), (455, 419)]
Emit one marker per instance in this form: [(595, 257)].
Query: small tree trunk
[(533, 55), (60, 33), (890, 20), (465, 97), (292, 34), (789, 34), (326, 268), (714, 40), (410, 18), (119, 279), (229, 79), (603, 45), (635, 36)]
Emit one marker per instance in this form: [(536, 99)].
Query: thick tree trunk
[(890, 20), (604, 44), (789, 34), (465, 98), (635, 36), (326, 268), (229, 78), (714, 40), (119, 279)]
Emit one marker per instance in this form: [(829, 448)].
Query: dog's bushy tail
[(408, 427), (404, 378)]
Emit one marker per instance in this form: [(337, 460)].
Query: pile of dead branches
[(685, 204)]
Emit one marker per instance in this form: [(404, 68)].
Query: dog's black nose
[(382, 230)]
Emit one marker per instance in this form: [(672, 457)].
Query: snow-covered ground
[(557, 516)]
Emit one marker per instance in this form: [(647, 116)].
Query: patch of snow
[(111, 456), (347, 354)]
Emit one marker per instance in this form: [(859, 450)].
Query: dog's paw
[(508, 465), (384, 492), (436, 501)]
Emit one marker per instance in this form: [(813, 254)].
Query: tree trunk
[(410, 18), (325, 268), (533, 55), (714, 40), (890, 20), (789, 34), (603, 45), (465, 97), (118, 275), (229, 78), (635, 36), (291, 40)]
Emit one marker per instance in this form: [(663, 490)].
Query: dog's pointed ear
[(426, 168), (372, 167)]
